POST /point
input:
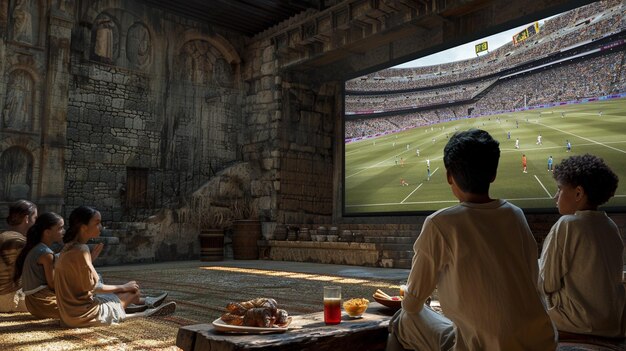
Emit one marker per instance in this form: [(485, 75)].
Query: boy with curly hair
[(482, 257), (581, 263)]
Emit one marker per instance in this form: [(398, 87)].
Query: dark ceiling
[(248, 17)]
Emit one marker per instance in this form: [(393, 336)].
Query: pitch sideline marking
[(544, 188), (432, 174), (578, 136), (411, 193), (435, 171)]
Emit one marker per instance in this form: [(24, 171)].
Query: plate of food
[(393, 302), (222, 326), (257, 316)]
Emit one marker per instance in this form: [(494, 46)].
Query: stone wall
[(34, 62), (143, 99), (291, 120)]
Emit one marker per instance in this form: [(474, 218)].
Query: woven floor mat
[(201, 293), (21, 331)]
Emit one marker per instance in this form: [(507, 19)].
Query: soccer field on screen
[(375, 168)]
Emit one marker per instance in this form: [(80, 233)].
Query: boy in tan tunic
[(581, 263), (482, 257)]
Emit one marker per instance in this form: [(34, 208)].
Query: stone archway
[(17, 111)]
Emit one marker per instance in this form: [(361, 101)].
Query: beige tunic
[(581, 270), (11, 244), (483, 259), (74, 282)]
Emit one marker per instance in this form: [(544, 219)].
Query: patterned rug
[(200, 291), (21, 331)]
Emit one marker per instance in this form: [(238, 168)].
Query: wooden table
[(307, 332)]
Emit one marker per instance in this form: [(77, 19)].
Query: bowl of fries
[(393, 302), (355, 307)]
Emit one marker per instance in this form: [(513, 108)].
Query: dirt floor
[(201, 290)]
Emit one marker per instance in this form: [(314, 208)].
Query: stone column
[(4, 15), (54, 121), (4, 8)]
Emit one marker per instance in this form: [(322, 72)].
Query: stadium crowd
[(581, 25), (588, 77), (437, 96), (598, 76)]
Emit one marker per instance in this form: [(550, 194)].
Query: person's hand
[(131, 286), (95, 252)]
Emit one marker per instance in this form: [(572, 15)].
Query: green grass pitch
[(374, 169)]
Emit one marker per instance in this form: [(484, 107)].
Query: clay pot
[(292, 234), (280, 233), (346, 236), (303, 235)]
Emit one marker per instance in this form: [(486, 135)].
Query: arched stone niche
[(19, 104), (197, 60), (224, 59), (66, 6), (105, 38), (139, 45), (26, 21), (16, 178)]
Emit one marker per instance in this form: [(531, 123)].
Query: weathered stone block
[(268, 68), (265, 97), (268, 54), (118, 103)]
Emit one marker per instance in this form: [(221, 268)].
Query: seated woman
[(84, 301), (581, 263), (35, 265)]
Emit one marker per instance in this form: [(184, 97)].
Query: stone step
[(109, 254), (127, 225), (390, 239), (395, 247), (402, 263), (106, 240), (388, 233), (113, 233), (398, 254)]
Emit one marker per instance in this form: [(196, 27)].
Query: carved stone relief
[(22, 21), (199, 105), (66, 6), (16, 176), (197, 57), (138, 45), (223, 73), (4, 14), (105, 39), (17, 110)]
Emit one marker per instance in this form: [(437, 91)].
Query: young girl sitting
[(35, 265), (581, 263), (83, 300)]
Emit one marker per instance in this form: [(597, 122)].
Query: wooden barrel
[(212, 245), (246, 233)]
